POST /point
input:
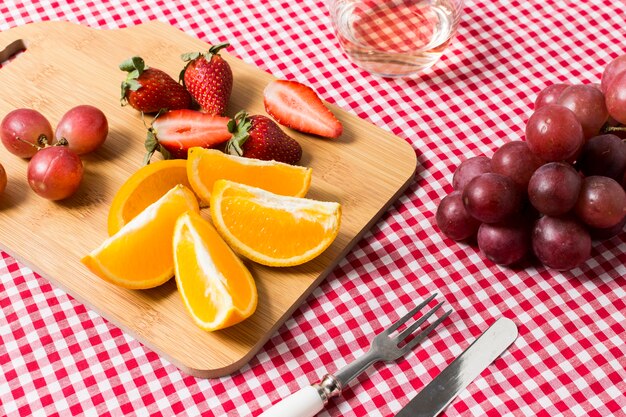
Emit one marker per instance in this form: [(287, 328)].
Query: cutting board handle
[(11, 50)]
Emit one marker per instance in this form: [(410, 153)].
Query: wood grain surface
[(65, 65)]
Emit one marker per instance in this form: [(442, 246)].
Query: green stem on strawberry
[(134, 66), (239, 126), (152, 144), (135, 63), (189, 57), (213, 50)]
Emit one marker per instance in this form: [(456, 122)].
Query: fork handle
[(307, 401)]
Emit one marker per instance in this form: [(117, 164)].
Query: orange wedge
[(143, 188), (271, 229), (205, 166), (140, 254), (216, 287)]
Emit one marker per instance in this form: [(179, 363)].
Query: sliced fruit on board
[(144, 187), (172, 133), (140, 254), (271, 229), (205, 166), (216, 287), (369, 171), (297, 106)]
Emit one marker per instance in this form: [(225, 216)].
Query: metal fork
[(310, 400)]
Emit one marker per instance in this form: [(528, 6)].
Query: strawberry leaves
[(152, 144), (239, 126), (189, 57), (150, 89), (259, 137), (135, 66)]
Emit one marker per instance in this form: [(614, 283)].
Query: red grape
[(601, 202), (84, 127), (453, 220), (554, 190), (561, 243), (21, 129), (491, 198), (553, 133), (603, 155), (613, 68), (587, 103), (504, 243), (468, 170), (549, 95), (515, 160), (608, 232), (55, 172), (554, 187), (616, 97), (3, 179)]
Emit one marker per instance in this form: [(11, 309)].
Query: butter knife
[(440, 392)]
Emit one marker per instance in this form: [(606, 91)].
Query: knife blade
[(440, 392)]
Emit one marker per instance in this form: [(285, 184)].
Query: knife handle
[(306, 402)]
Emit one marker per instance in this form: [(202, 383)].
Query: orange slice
[(140, 254), (216, 287), (271, 229), (143, 188), (205, 166)]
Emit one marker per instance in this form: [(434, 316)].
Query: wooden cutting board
[(65, 65)]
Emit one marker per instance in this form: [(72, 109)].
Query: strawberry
[(172, 133), (150, 90), (297, 106), (259, 137), (208, 78)]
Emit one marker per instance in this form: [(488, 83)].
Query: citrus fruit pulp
[(271, 229), (215, 285), (143, 188), (140, 254), (205, 166)]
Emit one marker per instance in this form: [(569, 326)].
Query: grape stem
[(610, 129), (42, 142)]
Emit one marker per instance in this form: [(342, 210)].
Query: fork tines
[(416, 325)]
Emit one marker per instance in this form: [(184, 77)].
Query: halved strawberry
[(174, 132), (297, 106)]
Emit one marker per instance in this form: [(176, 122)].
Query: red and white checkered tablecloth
[(58, 357)]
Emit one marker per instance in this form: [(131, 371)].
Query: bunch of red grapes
[(549, 195)]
